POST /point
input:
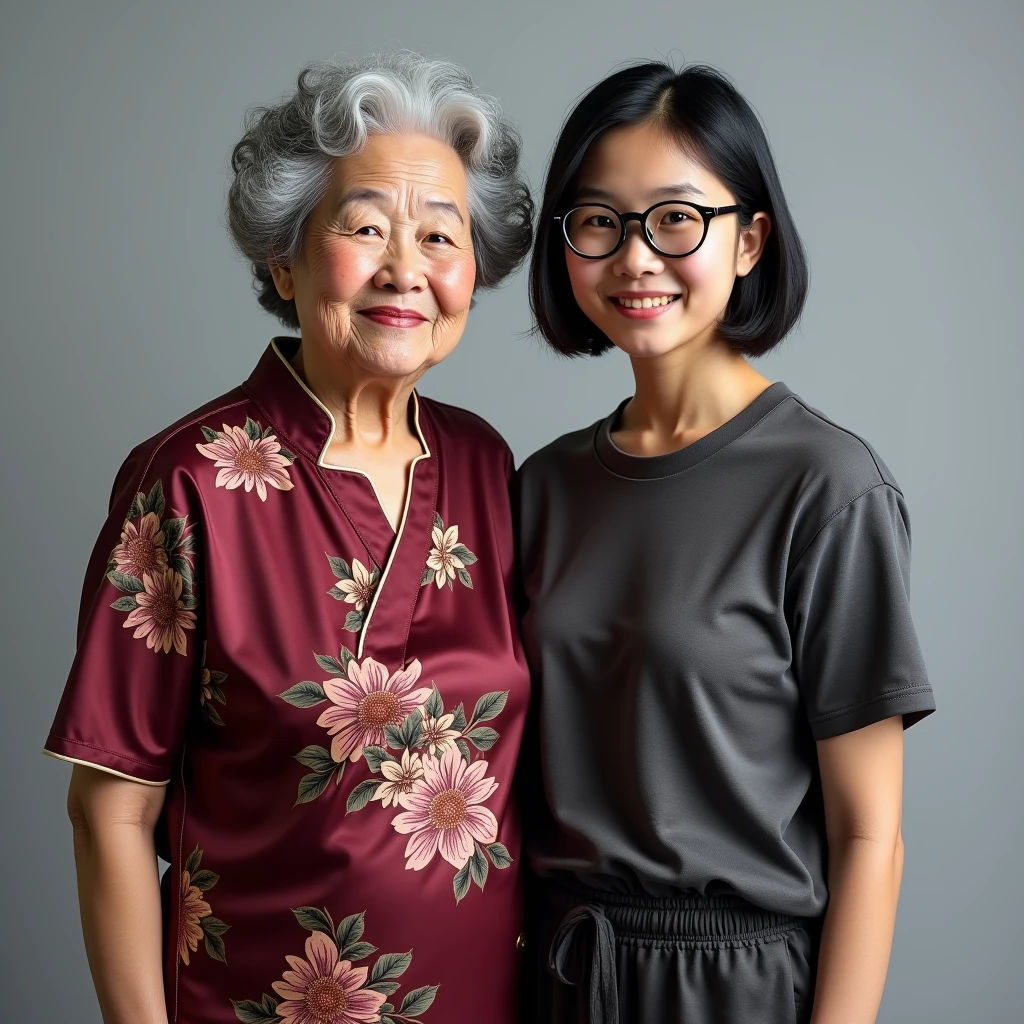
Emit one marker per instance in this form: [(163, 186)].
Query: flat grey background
[(896, 128)]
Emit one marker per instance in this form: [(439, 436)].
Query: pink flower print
[(444, 813), (141, 550), (161, 616), (247, 457), (324, 989), (193, 909), (367, 701), (399, 777)]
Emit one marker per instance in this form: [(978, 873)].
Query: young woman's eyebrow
[(671, 191), (684, 188)]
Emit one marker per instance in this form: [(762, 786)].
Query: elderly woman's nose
[(404, 267)]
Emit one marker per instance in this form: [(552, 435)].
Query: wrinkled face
[(386, 272), (630, 169)]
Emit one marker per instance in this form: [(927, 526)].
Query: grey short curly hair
[(282, 165)]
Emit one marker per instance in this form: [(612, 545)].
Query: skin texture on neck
[(683, 396)]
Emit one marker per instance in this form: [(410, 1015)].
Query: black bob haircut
[(714, 123)]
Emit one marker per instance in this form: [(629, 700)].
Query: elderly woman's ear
[(283, 280)]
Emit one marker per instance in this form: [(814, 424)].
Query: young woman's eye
[(599, 221), (676, 217)]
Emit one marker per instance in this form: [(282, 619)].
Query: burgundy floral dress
[(335, 708)]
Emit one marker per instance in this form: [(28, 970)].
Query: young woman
[(717, 615)]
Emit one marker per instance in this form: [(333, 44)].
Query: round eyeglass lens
[(676, 228), (593, 230)]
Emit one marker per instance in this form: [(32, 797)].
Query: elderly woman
[(298, 676)]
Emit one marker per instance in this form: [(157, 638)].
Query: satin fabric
[(222, 621)]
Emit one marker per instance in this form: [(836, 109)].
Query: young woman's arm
[(119, 892), (862, 785)]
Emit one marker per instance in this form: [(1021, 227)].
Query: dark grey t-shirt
[(694, 622)]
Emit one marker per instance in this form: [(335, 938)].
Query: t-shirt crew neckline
[(653, 467)]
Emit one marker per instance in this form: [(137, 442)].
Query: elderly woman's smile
[(387, 267)]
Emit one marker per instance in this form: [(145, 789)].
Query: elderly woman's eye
[(368, 230), (435, 237)]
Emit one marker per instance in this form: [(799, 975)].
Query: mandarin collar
[(297, 414)]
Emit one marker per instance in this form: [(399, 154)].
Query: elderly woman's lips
[(393, 316)]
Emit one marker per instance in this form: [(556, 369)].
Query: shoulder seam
[(845, 430), (184, 426), (841, 508)]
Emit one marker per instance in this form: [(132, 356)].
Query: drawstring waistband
[(597, 919), (604, 989)]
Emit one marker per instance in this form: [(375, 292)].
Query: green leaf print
[(459, 718), (194, 860), (434, 707), (252, 429), (461, 883), (129, 584), (204, 880), (210, 435), (329, 664), (478, 866), (483, 738), (249, 1012), (418, 1001), (463, 553), (214, 945), (391, 965), (358, 951), (306, 694), (174, 529), (341, 569), (311, 786), (361, 795), (464, 578), (351, 929), (318, 758), (155, 502), (500, 857), (314, 920), (125, 604), (375, 757), (490, 705), (354, 622)]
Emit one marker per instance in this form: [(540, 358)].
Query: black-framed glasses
[(671, 228)]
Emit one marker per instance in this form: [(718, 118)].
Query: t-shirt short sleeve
[(125, 705), (855, 650)]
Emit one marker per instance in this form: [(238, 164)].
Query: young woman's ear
[(750, 244)]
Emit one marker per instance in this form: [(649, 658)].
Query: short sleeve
[(855, 650), (126, 702)]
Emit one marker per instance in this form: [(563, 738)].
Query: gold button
[(520, 942)]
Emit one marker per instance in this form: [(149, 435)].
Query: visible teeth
[(661, 300)]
